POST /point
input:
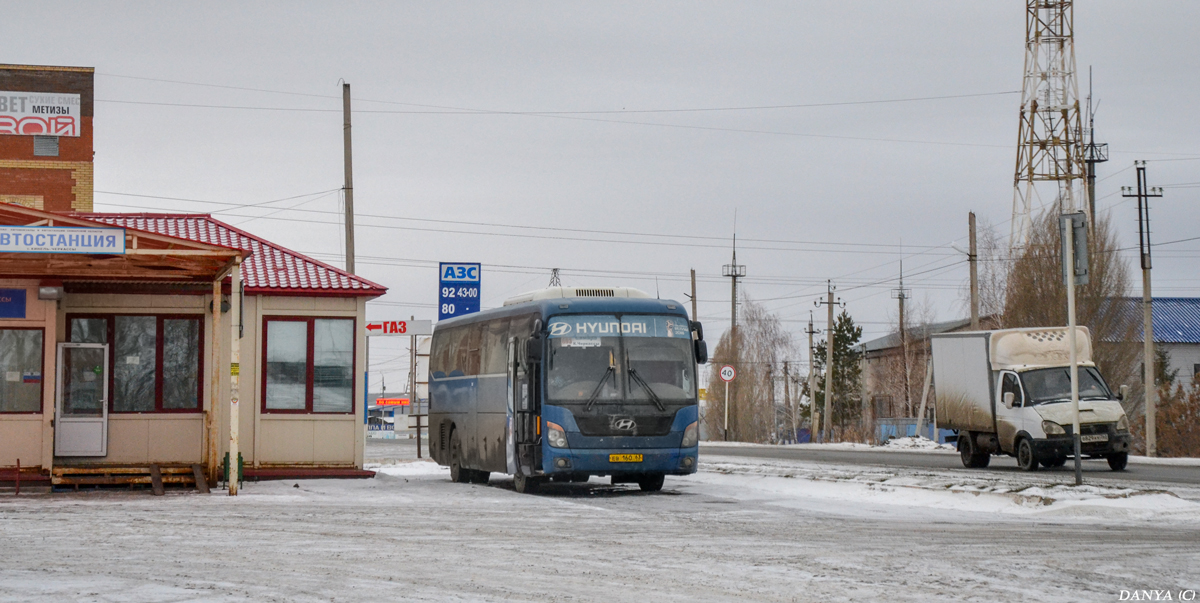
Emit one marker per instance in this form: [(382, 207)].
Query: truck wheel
[(480, 477), (1026, 460), (1117, 461), (525, 484), (968, 451), (458, 473)]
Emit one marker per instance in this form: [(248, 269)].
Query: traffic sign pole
[(726, 411), (728, 373)]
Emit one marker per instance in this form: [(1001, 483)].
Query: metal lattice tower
[(1050, 141)]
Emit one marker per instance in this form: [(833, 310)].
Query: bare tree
[(762, 345), (1036, 297)]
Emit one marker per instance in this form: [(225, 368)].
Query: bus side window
[(437, 356), (495, 347), (474, 352), (456, 352)]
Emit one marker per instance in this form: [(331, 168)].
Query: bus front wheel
[(525, 484), (652, 482)]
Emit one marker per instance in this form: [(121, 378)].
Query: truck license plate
[(624, 458), (1089, 439)]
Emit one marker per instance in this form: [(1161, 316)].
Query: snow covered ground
[(739, 530)]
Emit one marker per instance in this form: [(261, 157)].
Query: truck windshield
[(1054, 385), (637, 359)]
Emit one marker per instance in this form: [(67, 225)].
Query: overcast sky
[(206, 107)]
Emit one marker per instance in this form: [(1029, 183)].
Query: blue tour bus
[(566, 383)]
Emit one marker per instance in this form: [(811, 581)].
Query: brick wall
[(62, 183)]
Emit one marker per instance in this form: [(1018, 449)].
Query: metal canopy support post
[(235, 348), (214, 395)]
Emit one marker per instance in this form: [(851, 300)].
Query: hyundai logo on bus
[(458, 289), (62, 239)]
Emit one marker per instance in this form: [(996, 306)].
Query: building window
[(156, 361), (21, 356), (45, 146), (308, 365)]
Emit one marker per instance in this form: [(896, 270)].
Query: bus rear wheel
[(458, 473), (525, 484), (652, 482)]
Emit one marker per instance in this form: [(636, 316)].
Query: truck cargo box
[(963, 377)]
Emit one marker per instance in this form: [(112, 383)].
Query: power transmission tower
[(1049, 140), (1093, 153), (1143, 193), (554, 282)]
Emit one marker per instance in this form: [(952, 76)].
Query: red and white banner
[(40, 114)]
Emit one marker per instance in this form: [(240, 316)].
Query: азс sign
[(39, 113), (458, 289), (61, 239)]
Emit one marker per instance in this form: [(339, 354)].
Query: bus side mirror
[(533, 350), (697, 330), (1124, 393), (1008, 399), (701, 351)]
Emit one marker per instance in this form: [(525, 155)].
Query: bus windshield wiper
[(653, 396), (599, 386)]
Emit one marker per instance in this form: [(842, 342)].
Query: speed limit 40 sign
[(728, 373)]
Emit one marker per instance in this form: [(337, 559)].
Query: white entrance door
[(81, 416)]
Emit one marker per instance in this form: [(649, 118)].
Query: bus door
[(525, 409), (514, 377)]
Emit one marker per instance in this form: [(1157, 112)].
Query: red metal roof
[(270, 269)]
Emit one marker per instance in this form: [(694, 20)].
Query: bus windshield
[(637, 359)]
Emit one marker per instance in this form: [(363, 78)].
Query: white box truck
[(1009, 392)]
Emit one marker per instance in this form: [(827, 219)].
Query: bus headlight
[(555, 436), (1123, 424), (1052, 428), (691, 435)]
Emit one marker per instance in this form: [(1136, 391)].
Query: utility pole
[(830, 337), (349, 188), (787, 399), (902, 294), (1093, 153), (734, 271), (771, 397), (1143, 194), (414, 400), (814, 416), (693, 296), (973, 260)]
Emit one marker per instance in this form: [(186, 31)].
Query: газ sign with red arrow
[(399, 327)]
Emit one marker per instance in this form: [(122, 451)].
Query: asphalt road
[(1096, 471)]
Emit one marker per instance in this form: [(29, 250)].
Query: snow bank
[(860, 490), (917, 443)]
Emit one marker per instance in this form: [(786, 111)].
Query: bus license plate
[(624, 458), (1088, 439)]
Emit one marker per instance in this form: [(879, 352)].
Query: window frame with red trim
[(110, 339), (269, 369)]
